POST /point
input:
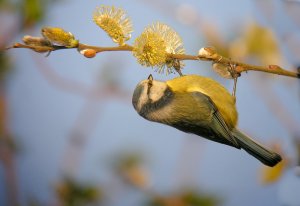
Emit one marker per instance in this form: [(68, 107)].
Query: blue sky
[(42, 115)]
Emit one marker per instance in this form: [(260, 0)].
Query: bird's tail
[(264, 155)]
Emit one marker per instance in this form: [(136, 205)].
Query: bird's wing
[(218, 123)]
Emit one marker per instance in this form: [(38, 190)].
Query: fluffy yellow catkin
[(152, 47), (114, 22)]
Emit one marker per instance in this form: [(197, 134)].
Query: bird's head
[(147, 93)]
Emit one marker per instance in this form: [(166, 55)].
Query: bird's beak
[(150, 78)]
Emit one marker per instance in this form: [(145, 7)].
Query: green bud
[(59, 37)]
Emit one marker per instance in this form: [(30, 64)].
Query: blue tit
[(197, 105)]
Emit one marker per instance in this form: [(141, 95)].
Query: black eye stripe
[(151, 106), (148, 89)]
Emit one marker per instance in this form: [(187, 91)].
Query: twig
[(240, 67), (102, 49), (208, 55)]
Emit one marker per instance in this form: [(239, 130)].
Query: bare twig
[(240, 67), (102, 49), (213, 57)]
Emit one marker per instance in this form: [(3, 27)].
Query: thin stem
[(183, 57), (102, 49), (243, 67), (234, 86), (273, 69), (212, 56), (240, 67)]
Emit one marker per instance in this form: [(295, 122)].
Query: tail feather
[(264, 155)]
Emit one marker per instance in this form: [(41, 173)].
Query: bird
[(198, 105)]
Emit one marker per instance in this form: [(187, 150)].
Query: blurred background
[(70, 136)]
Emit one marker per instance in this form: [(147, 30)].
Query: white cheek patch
[(150, 95), (157, 91)]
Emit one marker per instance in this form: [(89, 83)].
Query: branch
[(158, 46), (209, 54), (199, 25), (205, 54), (102, 49)]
